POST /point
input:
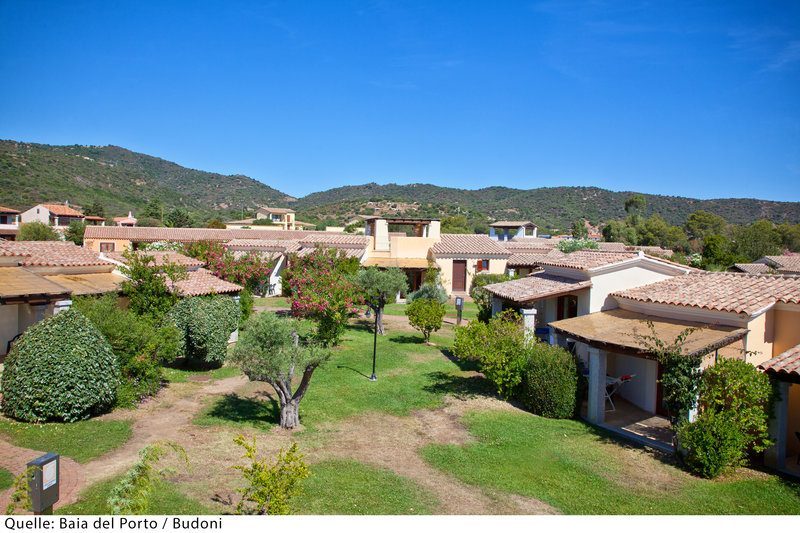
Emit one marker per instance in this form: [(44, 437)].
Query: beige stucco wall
[(411, 247), (786, 329), (605, 283), (31, 215), (120, 245), (760, 338), (496, 266)]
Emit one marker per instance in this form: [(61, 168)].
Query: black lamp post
[(374, 349)]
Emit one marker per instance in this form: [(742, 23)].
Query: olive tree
[(269, 350), (379, 287)]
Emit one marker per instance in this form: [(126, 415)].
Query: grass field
[(81, 441)]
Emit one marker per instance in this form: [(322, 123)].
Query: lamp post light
[(374, 348)]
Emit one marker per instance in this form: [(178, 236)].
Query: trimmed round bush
[(713, 444), (61, 369), (549, 384), (205, 325)]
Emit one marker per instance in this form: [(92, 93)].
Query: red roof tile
[(160, 257), (468, 244), (783, 263), (787, 363), (335, 238), (140, 234), (754, 268), (588, 259), (62, 210), (536, 287), (532, 259), (722, 291), (201, 282), (53, 253), (512, 224), (7, 210)]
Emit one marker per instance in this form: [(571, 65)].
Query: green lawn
[(271, 301), (166, 499), (470, 311), (6, 479), (580, 470), (347, 487), (180, 374), (81, 441), (411, 375)]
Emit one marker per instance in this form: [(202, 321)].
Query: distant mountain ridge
[(123, 180), (555, 206)]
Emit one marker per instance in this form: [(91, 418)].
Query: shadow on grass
[(463, 364), (461, 387), (408, 339), (184, 363), (232, 408), (353, 370)]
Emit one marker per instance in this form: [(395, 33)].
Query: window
[(106, 247), (483, 265)]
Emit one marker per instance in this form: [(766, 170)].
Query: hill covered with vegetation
[(120, 180)]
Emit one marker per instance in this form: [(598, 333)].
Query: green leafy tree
[(618, 231), (380, 287), (718, 253), (178, 218), (579, 229), (569, 246), (75, 232), (269, 350), (757, 240), (37, 231), (96, 210), (426, 316), (482, 297), (151, 289), (154, 209), (271, 485), (701, 224), (789, 236), (216, 224), (635, 203), (455, 224)]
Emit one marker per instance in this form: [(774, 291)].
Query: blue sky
[(698, 99)]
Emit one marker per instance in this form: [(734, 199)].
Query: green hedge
[(205, 325), (549, 384), (61, 369)]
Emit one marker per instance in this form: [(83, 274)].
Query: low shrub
[(425, 316), (141, 347), (712, 444), (428, 291), (549, 385), (61, 369), (205, 324), (246, 305), (482, 297)]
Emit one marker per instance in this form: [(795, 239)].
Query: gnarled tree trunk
[(290, 403)]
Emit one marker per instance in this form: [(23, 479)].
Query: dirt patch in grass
[(393, 442)]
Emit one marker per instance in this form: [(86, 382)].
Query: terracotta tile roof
[(201, 282), (536, 287), (287, 246), (348, 252), (754, 268), (787, 363), (173, 257), (92, 217), (650, 250), (532, 259), (62, 210), (53, 253), (140, 234), (17, 283), (529, 243), (588, 259), (612, 246), (7, 210), (468, 244), (335, 238), (280, 210), (783, 263), (512, 224), (722, 291), (97, 283)]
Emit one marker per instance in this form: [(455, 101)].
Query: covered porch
[(414, 268), (784, 371), (625, 393)]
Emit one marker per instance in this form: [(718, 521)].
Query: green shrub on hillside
[(205, 324), (61, 369)]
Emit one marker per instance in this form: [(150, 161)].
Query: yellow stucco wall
[(759, 339), (120, 245), (410, 247), (786, 325), (496, 266)]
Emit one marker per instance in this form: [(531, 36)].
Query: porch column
[(529, 320), (775, 455), (596, 409), (41, 310), (497, 306)]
